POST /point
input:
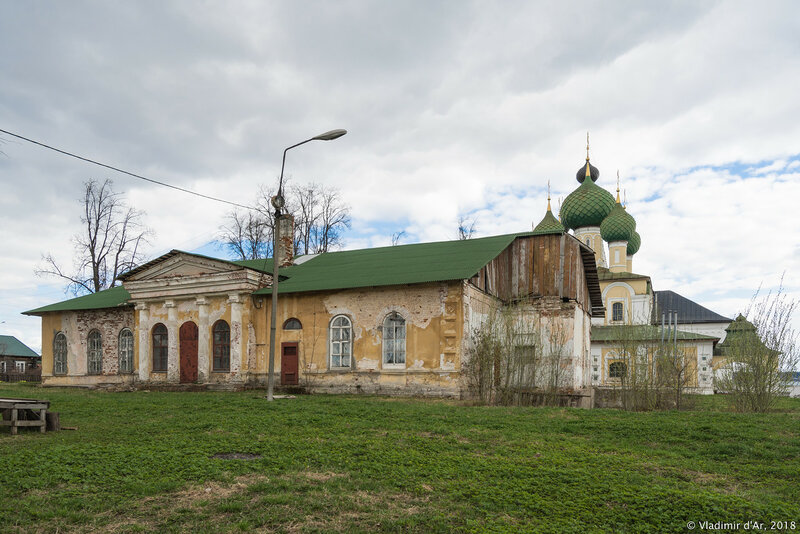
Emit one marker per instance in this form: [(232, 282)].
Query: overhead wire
[(117, 169)]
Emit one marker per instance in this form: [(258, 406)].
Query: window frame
[(617, 375), (621, 308), (393, 328), (60, 356), (340, 335), (94, 352), (159, 350), (289, 324), (221, 348), (18, 364), (122, 351)]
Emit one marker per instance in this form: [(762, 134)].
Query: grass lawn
[(145, 462)]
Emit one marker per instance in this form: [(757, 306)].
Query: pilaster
[(173, 356), (203, 342), (237, 338), (144, 341)]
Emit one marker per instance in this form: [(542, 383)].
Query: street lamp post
[(278, 202)]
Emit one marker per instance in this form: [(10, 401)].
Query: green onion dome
[(618, 226), (549, 224), (588, 205), (634, 243)]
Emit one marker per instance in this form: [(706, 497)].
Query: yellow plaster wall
[(434, 330), (639, 287), (611, 354)]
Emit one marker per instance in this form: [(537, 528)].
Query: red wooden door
[(289, 364), (188, 351)]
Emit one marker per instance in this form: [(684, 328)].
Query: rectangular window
[(20, 367), (616, 311), (160, 347), (2, 367), (95, 353), (394, 341)]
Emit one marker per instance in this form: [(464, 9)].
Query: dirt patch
[(236, 456), (209, 491), (191, 497), (717, 482), (321, 477)]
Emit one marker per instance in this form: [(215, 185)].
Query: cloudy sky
[(451, 107)]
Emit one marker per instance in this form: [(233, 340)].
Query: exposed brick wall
[(109, 322)]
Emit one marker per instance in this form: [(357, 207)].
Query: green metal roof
[(11, 346), (643, 332), (549, 225), (397, 265), (634, 243), (741, 335), (618, 225), (108, 298), (588, 205), (402, 264)]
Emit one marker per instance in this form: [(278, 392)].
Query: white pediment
[(174, 265), (182, 275)]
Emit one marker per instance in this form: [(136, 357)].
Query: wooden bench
[(16, 412)]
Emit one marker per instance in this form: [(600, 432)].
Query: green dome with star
[(634, 243), (588, 205), (618, 226)]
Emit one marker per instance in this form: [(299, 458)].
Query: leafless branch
[(109, 244)]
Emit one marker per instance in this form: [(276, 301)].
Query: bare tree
[(555, 367), (320, 218), (467, 226), (306, 200), (247, 234), (109, 245), (761, 352), (518, 356), (334, 218)]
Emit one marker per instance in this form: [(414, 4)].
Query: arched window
[(222, 346), (394, 340), (95, 353), (160, 347), (60, 354), (617, 370), (341, 342), (125, 347), (616, 311), (292, 324)]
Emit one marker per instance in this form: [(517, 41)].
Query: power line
[(126, 172)]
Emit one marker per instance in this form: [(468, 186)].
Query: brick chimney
[(285, 251)]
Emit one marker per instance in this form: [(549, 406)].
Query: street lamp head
[(330, 136), (277, 201)]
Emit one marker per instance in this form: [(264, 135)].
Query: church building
[(389, 320), (635, 314)]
